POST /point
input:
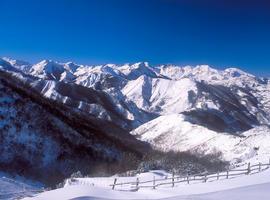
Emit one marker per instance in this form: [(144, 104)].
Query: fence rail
[(173, 180)]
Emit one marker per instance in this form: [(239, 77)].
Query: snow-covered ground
[(17, 187), (248, 187)]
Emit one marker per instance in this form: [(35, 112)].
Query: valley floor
[(248, 187)]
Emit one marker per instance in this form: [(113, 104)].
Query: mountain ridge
[(133, 96)]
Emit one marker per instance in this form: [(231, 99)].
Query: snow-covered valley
[(175, 133)]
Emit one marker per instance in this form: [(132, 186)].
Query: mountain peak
[(71, 66), (141, 64), (235, 72), (47, 69), (4, 64), (15, 62), (204, 69)]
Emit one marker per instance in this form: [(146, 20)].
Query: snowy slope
[(234, 109), (19, 64), (161, 96), (47, 69), (251, 187), (45, 141), (107, 104), (33, 139), (253, 192), (17, 187), (175, 132)]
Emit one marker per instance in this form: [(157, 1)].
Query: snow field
[(219, 189)]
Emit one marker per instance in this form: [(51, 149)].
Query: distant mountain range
[(59, 114)]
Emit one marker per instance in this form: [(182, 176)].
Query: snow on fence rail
[(154, 183)]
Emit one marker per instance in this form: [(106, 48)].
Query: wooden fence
[(173, 180)]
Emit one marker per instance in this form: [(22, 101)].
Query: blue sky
[(216, 32)]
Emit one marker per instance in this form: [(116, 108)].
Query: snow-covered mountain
[(48, 69), (44, 140), (19, 64), (181, 108)]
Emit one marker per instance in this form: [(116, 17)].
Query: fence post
[(248, 169), (137, 183), (205, 178), (114, 182), (227, 176), (173, 179), (187, 179), (217, 175), (260, 167), (154, 182)]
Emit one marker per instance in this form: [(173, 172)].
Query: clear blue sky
[(216, 32)]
